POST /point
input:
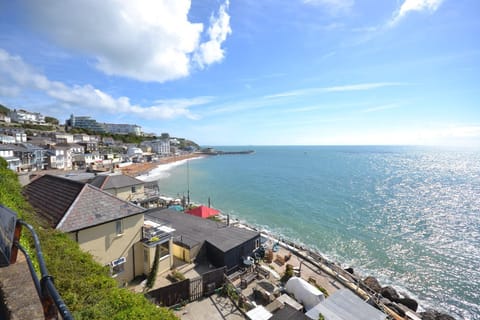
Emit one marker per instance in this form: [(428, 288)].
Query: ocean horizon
[(409, 216)]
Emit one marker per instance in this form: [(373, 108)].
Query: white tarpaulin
[(345, 305), (304, 292), (259, 313)]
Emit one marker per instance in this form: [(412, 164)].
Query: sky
[(249, 72)]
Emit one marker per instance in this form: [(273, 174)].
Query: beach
[(144, 168)]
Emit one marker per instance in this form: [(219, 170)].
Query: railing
[(10, 231)]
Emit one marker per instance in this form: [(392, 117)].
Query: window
[(257, 243), (118, 266), (119, 227), (134, 189)]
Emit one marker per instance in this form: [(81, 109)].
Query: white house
[(7, 154), (23, 116)]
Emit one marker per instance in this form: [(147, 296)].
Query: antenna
[(188, 183)]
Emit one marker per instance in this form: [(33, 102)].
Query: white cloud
[(211, 51), (147, 40), (16, 71), (333, 6), (414, 5)]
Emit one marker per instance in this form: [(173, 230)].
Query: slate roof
[(194, 230), (70, 205), (51, 196), (106, 182)]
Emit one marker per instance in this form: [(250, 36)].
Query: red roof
[(203, 211)]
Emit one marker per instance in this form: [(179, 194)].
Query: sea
[(410, 216)]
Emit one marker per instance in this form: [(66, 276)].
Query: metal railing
[(10, 232)]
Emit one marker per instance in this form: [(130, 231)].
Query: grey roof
[(288, 313), (72, 205), (194, 230), (106, 182), (94, 207), (345, 305)]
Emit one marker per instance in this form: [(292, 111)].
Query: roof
[(288, 313), (51, 196), (203, 212), (259, 313), (116, 181), (194, 230), (70, 205), (345, 305)]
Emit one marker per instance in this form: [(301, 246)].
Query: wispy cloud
[(22, 77), (381, 108), (414, 5), (351, 87), (333, 6)]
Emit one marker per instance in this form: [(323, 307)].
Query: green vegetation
[(86, 287), (52, 120), (153, 273), (288, 273), (39, 127), (4, 110)]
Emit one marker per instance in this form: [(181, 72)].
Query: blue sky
[(249, 72)]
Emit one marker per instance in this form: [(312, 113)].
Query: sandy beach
[(137, 169)]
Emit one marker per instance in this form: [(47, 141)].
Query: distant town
[(30, 141)]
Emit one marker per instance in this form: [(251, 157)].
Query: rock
[(409, 303), (372, 283), (349, 270), (435, 315), (389, 293)]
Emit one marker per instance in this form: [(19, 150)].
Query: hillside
[(4, 110), (86, 287)]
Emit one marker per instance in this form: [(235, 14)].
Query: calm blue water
[(408, 215)]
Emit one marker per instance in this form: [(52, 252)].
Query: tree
[(52, 120)]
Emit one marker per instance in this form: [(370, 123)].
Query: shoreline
[(330, 266), (145, 168)]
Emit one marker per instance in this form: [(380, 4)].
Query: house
[(6, 152), (5, 118), (197, 239), (124, 187), (61, 157), (23, 116), (105, 226)]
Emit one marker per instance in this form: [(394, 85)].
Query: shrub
[(85, 286)]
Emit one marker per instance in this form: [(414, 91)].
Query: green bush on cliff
[(86, 287)]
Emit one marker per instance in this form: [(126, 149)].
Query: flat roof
[(194, 230)]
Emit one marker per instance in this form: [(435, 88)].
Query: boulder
[(435, 315), (349, 270), (389, 293), (372, 283), (409, 303)]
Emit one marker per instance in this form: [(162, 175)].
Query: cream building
[(109, 228)]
